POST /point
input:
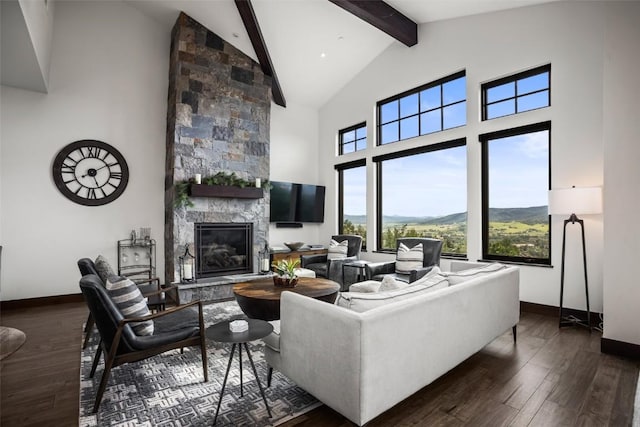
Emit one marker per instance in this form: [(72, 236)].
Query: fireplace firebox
[(223, 248)]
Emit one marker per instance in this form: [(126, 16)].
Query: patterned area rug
[(169, 389)]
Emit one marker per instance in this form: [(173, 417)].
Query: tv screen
[(283, 202), (310, 203)]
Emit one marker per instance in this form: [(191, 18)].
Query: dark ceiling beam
[(260, 47), (384, 17)]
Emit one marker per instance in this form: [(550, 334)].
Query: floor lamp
[(572, 201)]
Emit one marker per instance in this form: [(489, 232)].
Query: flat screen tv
[(291, 202), (283, 202)]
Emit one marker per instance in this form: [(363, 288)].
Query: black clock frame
[(89, 144)]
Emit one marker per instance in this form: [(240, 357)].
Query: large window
[(515, 185), (430, 108), (518, 93), (423, 193), (352, 139), (352, 194)]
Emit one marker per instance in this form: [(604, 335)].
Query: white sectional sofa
[(363, 363)]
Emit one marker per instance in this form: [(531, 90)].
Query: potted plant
[(286, 272)]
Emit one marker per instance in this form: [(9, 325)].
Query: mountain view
[(512, 231)]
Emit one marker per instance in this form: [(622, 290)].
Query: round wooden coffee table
[(260, 299)]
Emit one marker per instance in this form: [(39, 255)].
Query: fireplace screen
[(223, 249)]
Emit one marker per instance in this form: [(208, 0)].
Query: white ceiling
[(298, 32)]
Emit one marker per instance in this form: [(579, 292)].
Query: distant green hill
[(532, 215)]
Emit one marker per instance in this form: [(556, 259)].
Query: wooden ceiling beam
[(260, 47), (384, 17)]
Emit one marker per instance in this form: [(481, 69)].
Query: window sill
[(527, 264)]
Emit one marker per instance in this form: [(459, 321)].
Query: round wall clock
[(91, 173)]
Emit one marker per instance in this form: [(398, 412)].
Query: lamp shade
[(583, 201)]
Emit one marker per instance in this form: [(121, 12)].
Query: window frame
[(485, 87), (354, 128), (440, 82), (340, 168), (485, 139), (454, 143)]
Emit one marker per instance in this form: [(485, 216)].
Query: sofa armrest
[(312, 259), (419, 273), (320, 351), (375, 268)]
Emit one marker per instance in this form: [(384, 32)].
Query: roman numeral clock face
[(91, 173)]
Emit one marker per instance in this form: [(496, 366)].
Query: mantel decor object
[(572, 201)]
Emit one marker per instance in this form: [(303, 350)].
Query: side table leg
[(240, 354), (255, 374), (224, 383)]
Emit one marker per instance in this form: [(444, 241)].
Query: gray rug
[(11, 339), (169, 389)]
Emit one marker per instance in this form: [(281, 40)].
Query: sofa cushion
[(461, 276), (389, 283), (366, 286), (273, 339), (103, 268), (408, 259), (129, 300), (362, 302), (338, 250)]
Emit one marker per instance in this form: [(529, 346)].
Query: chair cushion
[(408, 259), (273, 339), (103, 268), (129, 300), (338, 250)]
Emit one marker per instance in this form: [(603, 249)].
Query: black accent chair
[(332, 268), (150, 288), (177, 327), (432, 249)]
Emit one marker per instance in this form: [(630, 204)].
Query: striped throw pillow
[(128, 298), (338, 250), (408, 259)]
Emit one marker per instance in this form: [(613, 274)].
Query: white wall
[(294, 158), (621, 173), (38, 16), (489, 46), (108, 81)]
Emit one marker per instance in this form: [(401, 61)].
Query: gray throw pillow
[(128, 298), (103, 268), (389, 283)]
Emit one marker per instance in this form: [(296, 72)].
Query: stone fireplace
[(218, 117)]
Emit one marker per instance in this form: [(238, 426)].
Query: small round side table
[(220, 332)]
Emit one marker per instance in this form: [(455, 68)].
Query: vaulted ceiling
[(315, 47)]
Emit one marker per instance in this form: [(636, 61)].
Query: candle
[(265, 265), (258, 183), (188, 271), (198, 178)]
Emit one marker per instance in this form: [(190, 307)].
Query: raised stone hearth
[(214, 288), (218, 117)]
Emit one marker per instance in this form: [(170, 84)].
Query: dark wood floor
[(550, 378)]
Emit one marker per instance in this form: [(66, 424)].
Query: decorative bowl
[(294, 246), (285, 282)]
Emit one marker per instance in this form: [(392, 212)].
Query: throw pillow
[(103, 268), (408, 259), (389, 284), (129, 300), (369, 286), (338, 250)]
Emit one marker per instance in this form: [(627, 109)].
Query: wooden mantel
[(203, 190)]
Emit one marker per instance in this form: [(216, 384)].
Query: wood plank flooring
[(550, 377)]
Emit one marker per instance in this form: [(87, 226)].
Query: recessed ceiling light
[(323, 55)]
